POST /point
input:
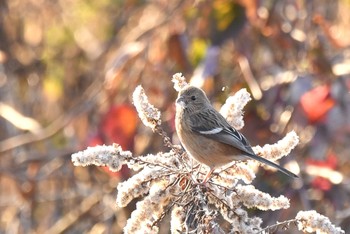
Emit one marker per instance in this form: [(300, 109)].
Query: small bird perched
[(208, 137)]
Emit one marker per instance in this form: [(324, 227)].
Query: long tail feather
[(278, 167)]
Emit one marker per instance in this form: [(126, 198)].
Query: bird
[(207, 136)]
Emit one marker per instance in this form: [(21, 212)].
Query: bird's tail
[(271, 164)]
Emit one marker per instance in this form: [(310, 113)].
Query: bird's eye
[(193, 98)]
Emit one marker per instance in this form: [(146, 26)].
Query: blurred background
[(68, 70)]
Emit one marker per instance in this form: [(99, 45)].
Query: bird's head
[(192, 98)]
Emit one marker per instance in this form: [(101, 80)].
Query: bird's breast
[(209, 152)]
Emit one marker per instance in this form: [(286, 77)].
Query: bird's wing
[(217, 128), (211, 124)]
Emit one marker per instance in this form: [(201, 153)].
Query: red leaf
[(317, 102), (321, 183), (119, 126), (330, 162)]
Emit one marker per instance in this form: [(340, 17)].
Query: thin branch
[(284, 225), (85, 104)]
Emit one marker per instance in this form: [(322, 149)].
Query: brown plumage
[(208, 137)]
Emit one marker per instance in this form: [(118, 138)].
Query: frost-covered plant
[(169, 181)]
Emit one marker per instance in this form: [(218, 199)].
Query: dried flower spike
[(150, 209), (111, 156), (254, 198), (232, 110), (149, 115), (177, 220), (280, 149), (135, 186), (179, 81), (311, 221)]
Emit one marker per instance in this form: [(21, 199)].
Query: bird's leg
[(199, 169), (207, 177)]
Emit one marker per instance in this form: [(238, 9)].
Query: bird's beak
[(180, 102)]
